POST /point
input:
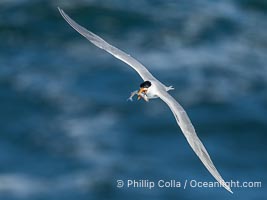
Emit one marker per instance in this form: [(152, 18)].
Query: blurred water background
[(67, 131)]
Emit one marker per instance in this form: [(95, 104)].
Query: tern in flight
[(153, 88)]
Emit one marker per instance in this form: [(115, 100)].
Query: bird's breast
[(152, 91)]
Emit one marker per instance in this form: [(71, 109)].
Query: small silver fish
[(140, 95)]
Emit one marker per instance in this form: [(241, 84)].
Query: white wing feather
[(190, 134), (102, 44), (179, 113)]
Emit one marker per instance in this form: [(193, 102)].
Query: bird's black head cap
[(145, 84)]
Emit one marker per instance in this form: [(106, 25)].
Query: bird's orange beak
[(141, 90)]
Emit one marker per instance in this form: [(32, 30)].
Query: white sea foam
[(25, 186), (90, 134), (20, 185)]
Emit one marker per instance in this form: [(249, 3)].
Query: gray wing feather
[(191, 136), (99, 42)]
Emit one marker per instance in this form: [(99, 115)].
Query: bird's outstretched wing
[(191, 136), (99, 42), (179, 113)]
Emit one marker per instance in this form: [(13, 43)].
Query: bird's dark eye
[(145, 84)]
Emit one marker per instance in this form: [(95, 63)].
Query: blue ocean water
[(67, 131)]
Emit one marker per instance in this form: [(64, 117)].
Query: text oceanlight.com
[(184, 184)]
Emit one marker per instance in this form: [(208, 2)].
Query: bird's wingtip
[(230, 191), (227, 187), (60, 10)]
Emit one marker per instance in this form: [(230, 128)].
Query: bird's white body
[(155, 90), (152, 91)]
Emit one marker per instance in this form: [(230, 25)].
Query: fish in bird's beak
[(142, 94)]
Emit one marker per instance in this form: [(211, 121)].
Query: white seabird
[(153, 88)]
